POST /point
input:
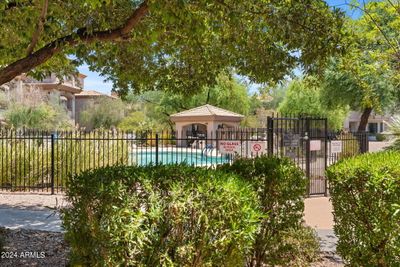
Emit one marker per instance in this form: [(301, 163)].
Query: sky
[(94, 81)]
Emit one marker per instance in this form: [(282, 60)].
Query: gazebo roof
[(206, 111)]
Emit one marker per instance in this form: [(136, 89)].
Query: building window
[(373, 127)]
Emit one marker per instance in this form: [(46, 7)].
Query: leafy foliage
[(160, 216), (367, 76), (365, 193), (280, 187), (104, 113), (154, 108), (44, 115), (300, 246), (303, 97), (137, 121), (394, 129), (176, 45)]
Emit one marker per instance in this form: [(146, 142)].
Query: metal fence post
[(52, 163), (326, 154), (365, 142), (308, 153), (157, 148), (270, 136)]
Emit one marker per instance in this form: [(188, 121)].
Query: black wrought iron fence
[(44, 161), (32, 160)]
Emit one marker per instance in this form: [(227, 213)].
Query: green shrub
[(104, 113), (280, 187), (394, 130), (300, 247), (160, 216), (365, 193), (380, 137)]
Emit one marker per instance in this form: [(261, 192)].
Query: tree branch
[(45, 53), (39, 28)]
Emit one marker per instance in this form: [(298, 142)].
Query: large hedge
[(280, 187), (160, 216), (365, 193)]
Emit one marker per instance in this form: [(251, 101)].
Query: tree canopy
[(303, 97), (367, 77), (152, 109), (104, 113), (166, 45)]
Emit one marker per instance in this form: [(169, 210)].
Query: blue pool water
[(171, 157)]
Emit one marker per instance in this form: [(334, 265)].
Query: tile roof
[(206, 110), (92, 93)]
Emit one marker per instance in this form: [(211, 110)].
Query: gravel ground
[(33, 248), (42, 248)]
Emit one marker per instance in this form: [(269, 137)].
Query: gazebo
[(203, 121)]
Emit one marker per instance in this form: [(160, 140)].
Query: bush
[(394, 130), (380, 137), (280, 187), (171, 215), (365, 193), (300, 247), (105, 113)]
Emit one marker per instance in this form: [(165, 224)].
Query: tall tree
[(367, 78), (303, 97), (175, 45)]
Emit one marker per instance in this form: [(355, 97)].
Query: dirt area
[(33, 248), (31, 201), (41, 248)]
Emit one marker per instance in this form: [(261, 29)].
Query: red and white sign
[(257, 147), (229, 147)]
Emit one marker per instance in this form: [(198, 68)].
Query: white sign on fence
[(257, 147), (229, 147), (315, 145), (336, 146)]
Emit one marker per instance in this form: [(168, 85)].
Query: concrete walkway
[(318, 215), (31, 211), (44, 220)]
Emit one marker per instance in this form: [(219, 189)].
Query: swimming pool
[(170, 157)]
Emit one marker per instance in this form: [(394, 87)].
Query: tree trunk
[(45, 53), (364, 119)]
